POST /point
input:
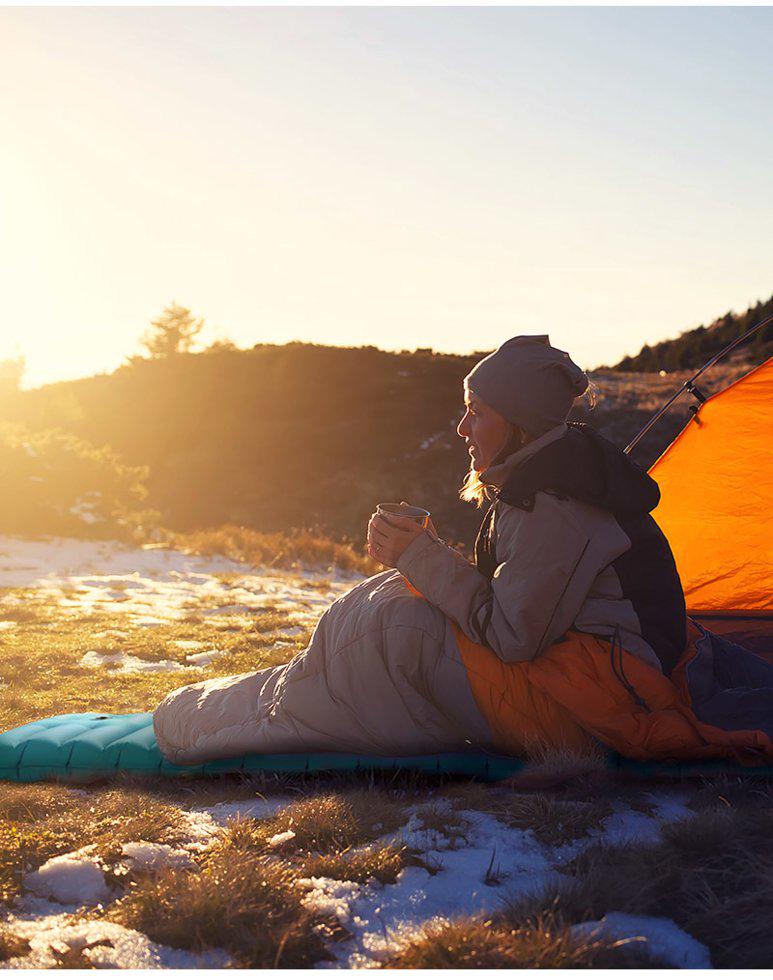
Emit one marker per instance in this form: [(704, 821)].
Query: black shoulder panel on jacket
[(587, 467)]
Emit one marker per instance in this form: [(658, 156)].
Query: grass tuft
[(11, 945), (239, 901), (382, 863), (494, 945), (323, 823), (555, 821)]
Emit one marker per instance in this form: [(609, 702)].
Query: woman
[(568, 540), (568, 628)]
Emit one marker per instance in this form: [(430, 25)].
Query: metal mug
[(417, 514)]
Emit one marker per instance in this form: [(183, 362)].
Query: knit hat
[(529, 382)]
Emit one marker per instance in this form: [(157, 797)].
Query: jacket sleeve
[(546, 569)]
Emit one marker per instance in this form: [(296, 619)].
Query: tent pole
[(689, 385)]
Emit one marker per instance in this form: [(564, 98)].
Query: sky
[(402, 177)]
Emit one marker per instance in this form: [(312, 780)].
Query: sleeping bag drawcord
[(616, 642)]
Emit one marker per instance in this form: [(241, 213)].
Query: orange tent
[(716, 508)]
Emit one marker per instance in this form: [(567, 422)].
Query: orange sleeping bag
[(572, 693)]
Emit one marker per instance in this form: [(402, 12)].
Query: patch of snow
[(626, 825), (280, 644), (74, 878), (187, 644), (477, 861), (292, 630), (157, 585), (258, 809), (201, 829), (105, 944), (278, 839), (204, 658), (328, 896), (124, 663), (663, 938), (145, 856), (672, 807)]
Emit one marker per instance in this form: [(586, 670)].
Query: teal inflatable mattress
[(82, 747)]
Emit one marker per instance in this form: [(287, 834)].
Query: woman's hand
[(387, 540)]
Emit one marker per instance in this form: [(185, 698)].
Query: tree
[(11, 372), (173, 332)]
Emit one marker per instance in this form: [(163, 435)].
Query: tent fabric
[(716, 507)]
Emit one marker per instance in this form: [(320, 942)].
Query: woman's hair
[(473, 489)]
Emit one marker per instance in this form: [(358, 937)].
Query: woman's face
[(484, 430)]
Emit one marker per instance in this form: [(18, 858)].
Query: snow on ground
[(154, 585), (472, 865), (107, 945), (143, 856), (124, 662), (70, 879), (495, 862), (212, 818), (204, 823), (204, 658), (663, 938), (624, 826)]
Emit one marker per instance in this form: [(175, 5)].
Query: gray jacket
[(555, 572)]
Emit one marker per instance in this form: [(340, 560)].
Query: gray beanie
[(529, 382)]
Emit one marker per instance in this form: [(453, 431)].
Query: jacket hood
[(587, 467)]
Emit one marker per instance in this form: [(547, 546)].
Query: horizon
[(203, 349), (438, 178)]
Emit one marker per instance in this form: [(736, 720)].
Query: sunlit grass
[(297, 550), (40, 656)]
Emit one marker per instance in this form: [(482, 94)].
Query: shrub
[(56, 483)]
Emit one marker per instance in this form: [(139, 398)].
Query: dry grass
[(297, 550), (549, 768), (495, 945), (24, 848), (239, 901), (448, 823), (382, 863), (11, 945), (555, 821), (323, 823), (40, 661), (711, 873), (554, 818), (37, 823)]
